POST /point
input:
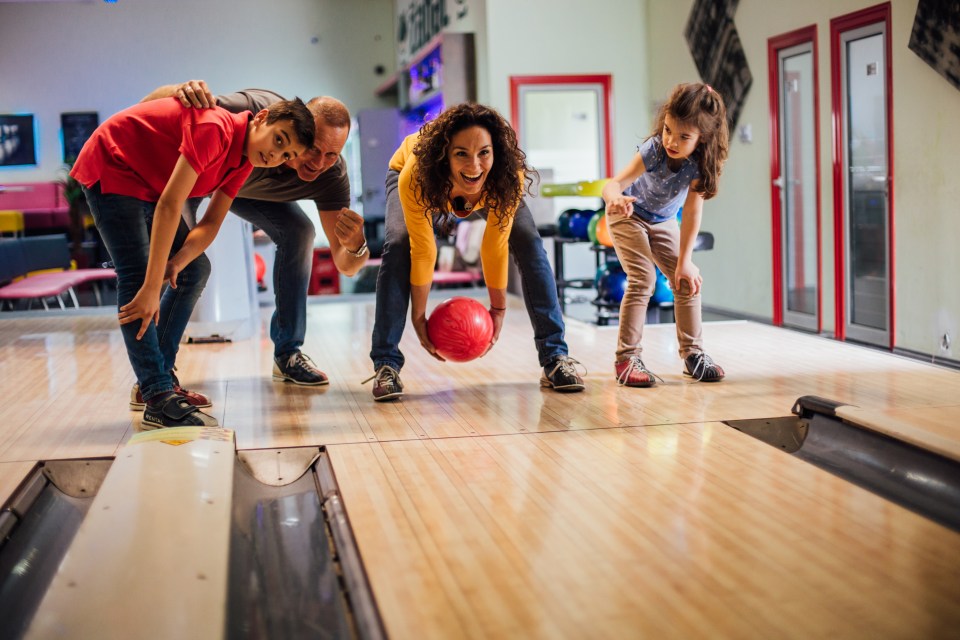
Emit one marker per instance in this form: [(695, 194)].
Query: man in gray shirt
[(268, 201)]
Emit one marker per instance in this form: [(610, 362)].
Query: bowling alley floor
[(485, 506)]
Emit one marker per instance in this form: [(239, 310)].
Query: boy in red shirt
[(137, 170)]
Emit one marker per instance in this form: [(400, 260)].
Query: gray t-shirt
[(331, 189), (660, 192)]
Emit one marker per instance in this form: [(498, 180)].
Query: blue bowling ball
[(612, 284), (563, 223), (580, 224), (662, 293)]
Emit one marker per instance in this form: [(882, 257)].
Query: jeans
[(124, 224), (393, 285), (293, 232)]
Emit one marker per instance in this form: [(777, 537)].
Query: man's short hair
[(331, 112)]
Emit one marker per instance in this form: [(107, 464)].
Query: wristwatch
[(359, 253)]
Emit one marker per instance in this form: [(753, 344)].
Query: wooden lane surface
[(670, 531), (65, 380), (11, 475), (70, 378), (935, 429)]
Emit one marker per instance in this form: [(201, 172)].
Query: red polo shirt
[(134, 151)]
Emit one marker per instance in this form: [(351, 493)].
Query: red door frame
[(605, 81), (839, 25), (774, 45)]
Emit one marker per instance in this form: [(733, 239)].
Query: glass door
[(798, 188), (866, 219)]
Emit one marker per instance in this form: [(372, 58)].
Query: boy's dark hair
[(504, 186), (298, 114)]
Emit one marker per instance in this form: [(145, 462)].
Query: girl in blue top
[(679, 164)]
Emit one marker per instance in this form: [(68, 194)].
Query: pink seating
[(54, 284), (42, 203), (453, 278)]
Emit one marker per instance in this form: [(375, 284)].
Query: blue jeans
[(124, 224), (293, 232), (393, 285)]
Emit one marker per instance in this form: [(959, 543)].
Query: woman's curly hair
[(699, 105), (503, 188)]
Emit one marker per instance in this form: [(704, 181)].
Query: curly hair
[(699, 105), (503, 188)]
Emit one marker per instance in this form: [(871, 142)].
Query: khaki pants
[(639, 245)]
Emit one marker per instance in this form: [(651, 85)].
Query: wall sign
[(419, 21)]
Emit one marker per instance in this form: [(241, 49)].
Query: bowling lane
[(671, 531)]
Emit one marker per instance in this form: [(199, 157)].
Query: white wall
[(57, 57), (926, 110), (547, 37)]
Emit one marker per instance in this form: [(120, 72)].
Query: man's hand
[(350, 229), (195, 93)]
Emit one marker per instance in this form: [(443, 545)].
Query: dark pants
[(124, 224)]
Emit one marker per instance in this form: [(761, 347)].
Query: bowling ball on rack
[(460, 328), (612, 284), (563, 223), (603, 232), (662, 293), (579, 224), (592, 226)]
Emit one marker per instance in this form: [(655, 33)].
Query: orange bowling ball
[(603, 232)]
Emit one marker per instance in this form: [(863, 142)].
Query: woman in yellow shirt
[(465, 160)]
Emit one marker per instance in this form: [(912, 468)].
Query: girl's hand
[(621, 205), (145, 307), (420, 326), (686, 279), (497, 315)]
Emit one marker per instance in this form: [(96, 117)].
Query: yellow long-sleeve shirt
[(423, 246)]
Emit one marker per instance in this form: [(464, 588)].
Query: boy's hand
[(145, 307), (621, 205), (687, 278), (350, 229), (194, 93)]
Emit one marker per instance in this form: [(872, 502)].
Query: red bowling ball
[(460, 328)]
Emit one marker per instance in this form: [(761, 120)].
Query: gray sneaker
[(561, 375), (298, 369), (386, 385)]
